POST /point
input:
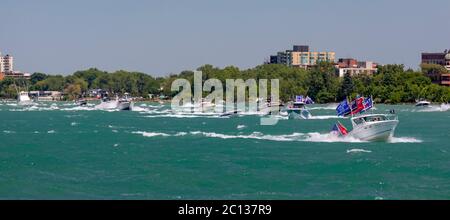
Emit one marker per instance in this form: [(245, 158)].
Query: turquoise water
[(61, 151)]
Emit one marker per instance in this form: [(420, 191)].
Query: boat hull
[(81, 102), (124, 106), (25, 103), (24, 99), (298, 114), (107, 105), (375, 131)]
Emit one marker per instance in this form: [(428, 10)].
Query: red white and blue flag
[(357, 105), (338, 128), (368, 103)]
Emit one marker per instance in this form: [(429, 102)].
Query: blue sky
[(166, 36)]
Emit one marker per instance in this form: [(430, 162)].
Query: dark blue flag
[(343, 108)]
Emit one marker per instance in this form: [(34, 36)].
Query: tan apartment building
[(306, 59), (300, 56)]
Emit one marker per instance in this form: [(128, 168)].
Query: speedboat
[(423, 103), (297, 110), (366, 127), (107, 104), (373, 127), (125, 103), (204, 105), (444, 107), (201, 105), (24, 99), (81, 102), (268, 105), (230, 113)]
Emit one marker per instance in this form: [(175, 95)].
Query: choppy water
[(61, 151)]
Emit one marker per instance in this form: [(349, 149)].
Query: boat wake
[(404, 140), (358, 151), (441, 108), (184, 116), (300, 137), (241, 127), (328, 107), (323, 117), (155, 134)]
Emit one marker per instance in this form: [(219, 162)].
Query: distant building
[(17, 75), (7, 68), (97, 93), (300, 56), (46, 95), (301, 48), (273, 59), (442, 59), (6, 63), (355, 67)]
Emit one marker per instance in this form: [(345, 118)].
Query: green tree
[(347, 87), (36, 77)]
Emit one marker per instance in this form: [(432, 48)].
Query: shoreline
[(169, 101)]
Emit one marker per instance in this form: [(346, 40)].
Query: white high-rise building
[(1, 63), (6, 64)]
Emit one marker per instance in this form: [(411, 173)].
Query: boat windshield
[(358, 121), (298, 105), (375, 118)]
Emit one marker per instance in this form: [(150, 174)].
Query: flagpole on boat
[(373, 103), (350, 105)]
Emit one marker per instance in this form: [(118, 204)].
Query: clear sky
[(166, 36)]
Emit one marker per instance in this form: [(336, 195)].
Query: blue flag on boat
[(368, 103), (308, 100), (343, 108), (335, 129)]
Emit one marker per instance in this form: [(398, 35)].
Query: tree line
[(391, 84)]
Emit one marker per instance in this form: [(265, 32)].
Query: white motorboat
[(373, 127), (121, 104), (107, 104), (297, 110), (444, 107), (124, 105), (366, 127), (24, 99), (199, 106), (230, 113), (81, 102), (422, 103), (204, 105), (267, 106)]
